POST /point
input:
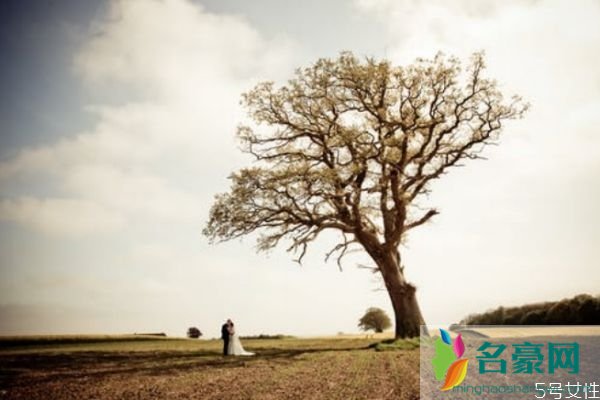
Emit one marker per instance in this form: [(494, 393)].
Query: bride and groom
[(231, 341)]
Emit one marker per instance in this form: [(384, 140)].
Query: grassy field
[(127, 367)]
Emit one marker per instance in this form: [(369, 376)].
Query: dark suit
[(225, 337)]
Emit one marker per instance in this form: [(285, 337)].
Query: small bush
[(399, 344), (194, 333), (265, 336)]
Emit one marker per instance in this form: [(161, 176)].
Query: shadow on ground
[(47, 367)]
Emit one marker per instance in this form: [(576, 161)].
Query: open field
[(154, 368)]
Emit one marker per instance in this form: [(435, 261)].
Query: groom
[(225, 336)]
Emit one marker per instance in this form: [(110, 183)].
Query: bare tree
[(353, 146)]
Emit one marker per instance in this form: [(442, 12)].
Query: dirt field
[(334, 368)]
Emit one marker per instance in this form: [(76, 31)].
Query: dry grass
[(319, 368)]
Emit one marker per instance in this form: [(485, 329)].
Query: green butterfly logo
[(447, 362)]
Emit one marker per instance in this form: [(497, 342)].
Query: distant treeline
[(264, 336), (583, 309), (161, 334), (47, 340)]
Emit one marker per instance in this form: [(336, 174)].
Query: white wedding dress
[(235, 346)]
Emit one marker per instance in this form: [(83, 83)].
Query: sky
[(117, 123)]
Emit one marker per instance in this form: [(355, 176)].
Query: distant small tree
[(194, 333), (375, 319)]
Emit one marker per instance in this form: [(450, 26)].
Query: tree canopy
[(353, 146), (374, 319)]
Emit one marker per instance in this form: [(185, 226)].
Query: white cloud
[(175, 47), (60, 216), (181, 71)]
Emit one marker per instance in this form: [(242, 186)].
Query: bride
[(235, 346)]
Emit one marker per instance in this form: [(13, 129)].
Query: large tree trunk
[(403, 296)]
